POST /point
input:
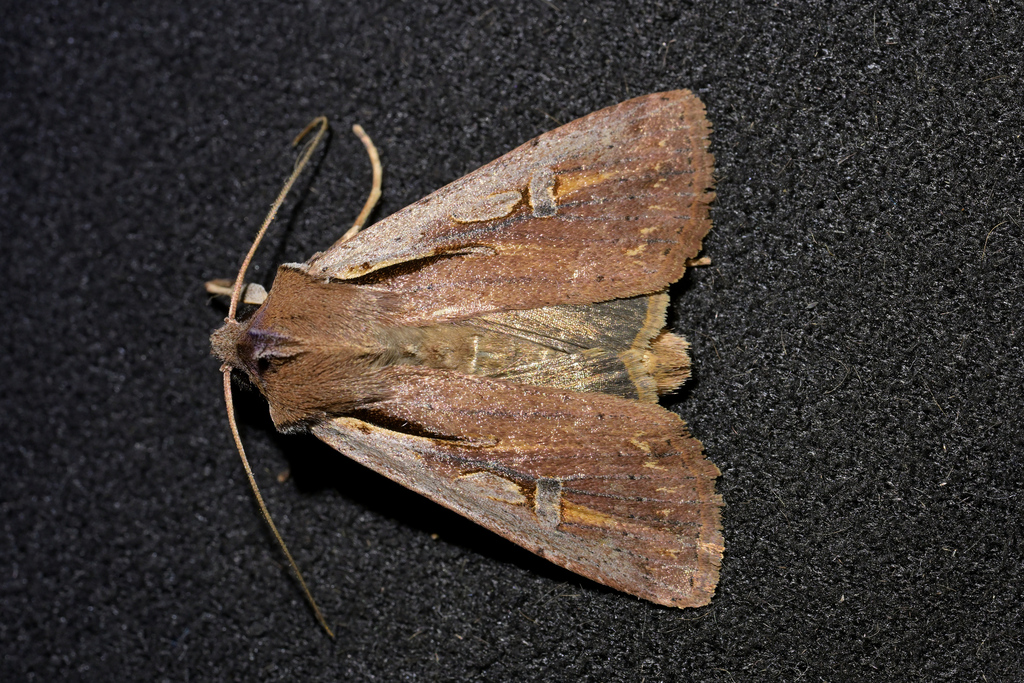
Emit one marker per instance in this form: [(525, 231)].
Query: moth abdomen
[(669, 361)]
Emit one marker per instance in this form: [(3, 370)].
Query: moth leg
[(252, 293)]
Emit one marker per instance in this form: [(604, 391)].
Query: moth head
[(224, 343), (231, 345), (250, 348)]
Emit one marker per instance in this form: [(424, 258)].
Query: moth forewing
[(499, 346)]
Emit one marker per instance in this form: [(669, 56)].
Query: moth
[(500, 345)]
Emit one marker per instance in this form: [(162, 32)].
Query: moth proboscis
[(500, 345)]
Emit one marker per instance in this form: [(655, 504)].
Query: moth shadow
[(315, 466)]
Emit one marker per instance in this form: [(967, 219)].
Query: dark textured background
[(857, 340)]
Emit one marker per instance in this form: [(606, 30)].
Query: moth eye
[(262, 365)]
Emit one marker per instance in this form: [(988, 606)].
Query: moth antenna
[(236, 294), (320, 121), (263, 506), (374, 197)]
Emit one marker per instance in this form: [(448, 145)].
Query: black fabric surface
[(857, 339)]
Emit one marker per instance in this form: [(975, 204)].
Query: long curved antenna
[(378, 173), (226, 369), (229, 402), (299, 165)]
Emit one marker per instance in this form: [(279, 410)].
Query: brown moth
[(499, 346)]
